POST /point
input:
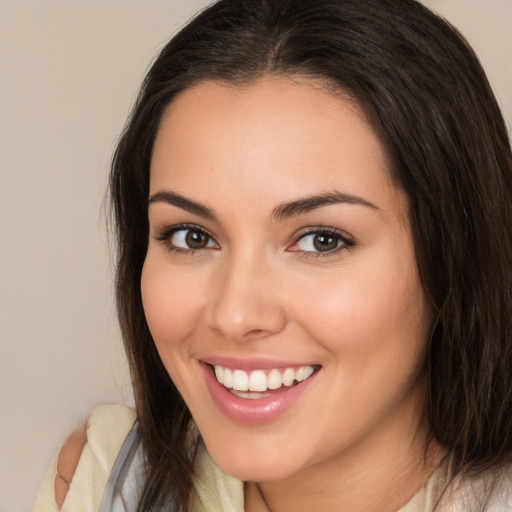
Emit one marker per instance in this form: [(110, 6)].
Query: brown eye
[(325, 242), (196, 239), (321, 241), (190, 239)]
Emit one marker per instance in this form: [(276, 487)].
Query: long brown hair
[(427, 97)]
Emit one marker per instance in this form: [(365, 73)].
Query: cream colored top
[(214, 491), (107, 429)]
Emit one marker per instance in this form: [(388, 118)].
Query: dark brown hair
[(427, 97)]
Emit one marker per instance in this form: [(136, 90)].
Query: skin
[(67, 462), (354, 440)]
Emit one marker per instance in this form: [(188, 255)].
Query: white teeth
[(288, 376), (259, 381), (251, 395), (228, 378), (274, 379), (304, 372), (240, 380)]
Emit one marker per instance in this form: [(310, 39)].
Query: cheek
[(368, 314), (172, 303)]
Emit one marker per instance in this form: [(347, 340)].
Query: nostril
[(257, 333)]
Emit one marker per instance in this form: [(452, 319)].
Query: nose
[(246, 301)]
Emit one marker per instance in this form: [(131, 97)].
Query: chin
[(260, 472), (253, 465)]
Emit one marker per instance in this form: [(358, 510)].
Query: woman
[(314, 284)]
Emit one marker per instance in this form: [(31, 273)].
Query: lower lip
[(253, 411)]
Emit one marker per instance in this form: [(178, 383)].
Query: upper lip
[(251, 364)]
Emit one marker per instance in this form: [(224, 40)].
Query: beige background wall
[(69, 70)]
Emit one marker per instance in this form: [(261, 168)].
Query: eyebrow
[(281, 212), (182, 202), (307, 204)]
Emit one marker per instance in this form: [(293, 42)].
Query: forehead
[(277, 136)]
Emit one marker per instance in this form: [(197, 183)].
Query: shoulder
[(490, 491), (67, 461), (108, 427), (81, 469), (500, 491)]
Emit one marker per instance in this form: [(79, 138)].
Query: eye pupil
[(325, 242), (196, 239)]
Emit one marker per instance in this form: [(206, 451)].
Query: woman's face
[(280, 259)]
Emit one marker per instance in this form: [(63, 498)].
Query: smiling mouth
[(259, 384)]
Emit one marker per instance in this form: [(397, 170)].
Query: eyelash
[(344, 242), (166, 234)]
